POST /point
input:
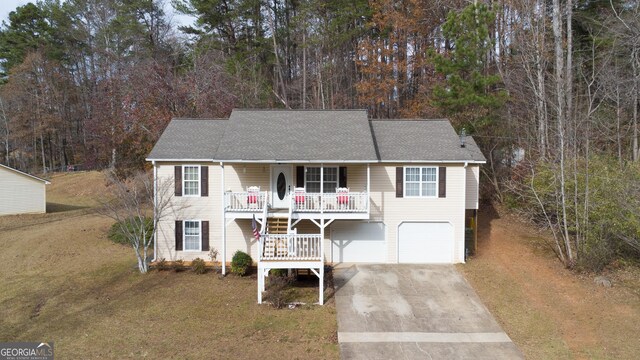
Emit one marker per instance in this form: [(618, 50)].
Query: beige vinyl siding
[(393, 211), (473, 177), (21, 194), (188, 208)]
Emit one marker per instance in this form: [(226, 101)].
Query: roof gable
[(24, 174), (297, 135)]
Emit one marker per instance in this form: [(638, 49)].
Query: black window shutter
[(205, 236), (178, 235), (442, 182), (299, 176), (178, 179), (204, 181), (342, 178), (399, 182)]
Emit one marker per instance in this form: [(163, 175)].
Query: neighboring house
[(324, 186), (21, 193)]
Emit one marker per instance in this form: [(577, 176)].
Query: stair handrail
[(265, 210)]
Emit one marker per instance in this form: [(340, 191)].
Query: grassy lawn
[(548, 311), (62, 280)]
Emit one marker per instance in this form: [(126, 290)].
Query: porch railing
[(245, 201), (331, 202), (295, 247)]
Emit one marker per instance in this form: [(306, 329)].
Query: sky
[(7, 6)]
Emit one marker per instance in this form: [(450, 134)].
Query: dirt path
[(548, 311)]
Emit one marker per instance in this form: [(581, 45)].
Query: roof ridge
[(198, 119), (294, 110)]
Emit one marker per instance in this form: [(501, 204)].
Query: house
[(324, 187), (21, 193)]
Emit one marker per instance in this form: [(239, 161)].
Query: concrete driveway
[(414, 312)]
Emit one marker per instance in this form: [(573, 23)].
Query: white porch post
[(321, 269), (368, 187), (224, 222), (260, 283), (155, 210)]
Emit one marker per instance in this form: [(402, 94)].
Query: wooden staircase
[(277, 225)]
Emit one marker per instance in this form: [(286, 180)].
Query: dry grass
[(548, 311), (62, 280)]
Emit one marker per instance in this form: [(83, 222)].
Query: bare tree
[(137, 211)]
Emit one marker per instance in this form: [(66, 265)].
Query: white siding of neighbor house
[(21, 194), (473, 177), (385, 207)]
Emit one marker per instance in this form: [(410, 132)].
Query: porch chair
[(342, 195), (253, 196), (298, 197)]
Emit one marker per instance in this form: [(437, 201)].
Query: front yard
[(62, 280)]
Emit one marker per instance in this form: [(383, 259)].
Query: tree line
[(549, 89)]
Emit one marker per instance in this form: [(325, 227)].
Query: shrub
[(277, 290), (161, 265), (198, 266), (279, 272), (118, 231), (178, 265), (240, 263)]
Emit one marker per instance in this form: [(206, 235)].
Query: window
[(420, 181), (191, 180), (312, 179), (192, 235)]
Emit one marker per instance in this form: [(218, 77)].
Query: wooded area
[(549, 89)]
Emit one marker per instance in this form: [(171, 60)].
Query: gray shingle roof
[(418, 140), (308, 135), (191, 139), (312, 135)]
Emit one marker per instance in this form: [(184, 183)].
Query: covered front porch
[(316, 193)]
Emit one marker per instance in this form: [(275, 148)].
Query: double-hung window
[(420, 181), (312, 179), (192, 235), (191, 180)]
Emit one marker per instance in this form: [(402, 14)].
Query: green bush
[(240, 263), (117, 232), (198, 266)]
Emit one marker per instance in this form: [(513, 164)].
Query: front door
[(280, 186)]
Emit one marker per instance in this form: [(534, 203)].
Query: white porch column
[(321, 281), (224, 221), (260, 283), (368, 188), (155, 210)]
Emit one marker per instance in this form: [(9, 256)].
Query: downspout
[(464, 213), (155, 210), (224, 222)]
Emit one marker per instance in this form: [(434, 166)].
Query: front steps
[(277, 225)]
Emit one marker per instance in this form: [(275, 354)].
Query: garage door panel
[(425, 242), (359, 242)]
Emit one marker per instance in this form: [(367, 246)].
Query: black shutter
[(178, 180), (342, 178), (399, 182), (205, 236), (204, 181), (178, 235), (442, 182), (299, 176)]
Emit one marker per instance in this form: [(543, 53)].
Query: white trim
[(453, 227), (184, 229), (224, 223), (46, 182), (404, 182), (323, 161), (155, 210), (199, 180)]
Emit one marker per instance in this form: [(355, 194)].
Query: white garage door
[(425, 242), (358, 242)]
